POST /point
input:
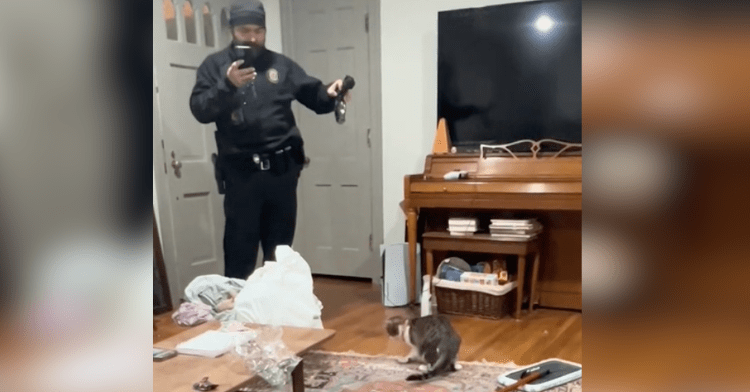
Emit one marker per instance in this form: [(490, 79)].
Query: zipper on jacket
[(252, 86)]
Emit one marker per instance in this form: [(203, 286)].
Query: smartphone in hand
[(246, 53)]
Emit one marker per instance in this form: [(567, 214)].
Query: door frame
[(376, 156), (160, 267), (163, 202)]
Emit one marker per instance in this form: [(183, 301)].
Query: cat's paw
[(403, 361), (457, 366), (415, 377), (422, 368)]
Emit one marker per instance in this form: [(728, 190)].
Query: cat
[(432, 340)]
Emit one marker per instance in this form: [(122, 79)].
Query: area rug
[(351, 372)]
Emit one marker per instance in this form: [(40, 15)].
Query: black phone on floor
[(162, 354)]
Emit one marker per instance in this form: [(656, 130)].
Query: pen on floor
[(523, 381)]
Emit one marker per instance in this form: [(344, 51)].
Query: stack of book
[(462, 226), (515, 229)]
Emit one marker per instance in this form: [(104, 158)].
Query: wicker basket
[(461, 299), (474, 303)]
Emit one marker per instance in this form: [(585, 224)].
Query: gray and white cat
[(432, 340)]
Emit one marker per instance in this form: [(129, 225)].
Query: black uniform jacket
[(258, 116)]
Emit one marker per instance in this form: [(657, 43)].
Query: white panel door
[(191, 210), (329, 40)]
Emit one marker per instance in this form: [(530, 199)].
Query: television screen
[(510, 72)]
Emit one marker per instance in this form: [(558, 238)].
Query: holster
[(219, 174), (218, 169), (298, 154)]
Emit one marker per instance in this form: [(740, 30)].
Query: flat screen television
[(510, 72)]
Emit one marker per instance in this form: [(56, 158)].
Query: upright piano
[(545, 186)]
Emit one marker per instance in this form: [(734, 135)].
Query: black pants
[(260, 207)]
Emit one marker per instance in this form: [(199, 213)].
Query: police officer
[(260, 149)]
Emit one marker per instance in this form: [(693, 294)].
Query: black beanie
[(247, 12)]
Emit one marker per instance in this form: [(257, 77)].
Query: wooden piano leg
[(534, 276), (429, 261), (411, 226), (520, 279)]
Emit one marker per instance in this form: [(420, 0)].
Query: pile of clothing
[(208, 297), (279, 293)]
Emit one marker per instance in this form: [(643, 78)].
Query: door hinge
[(369, 143), (367, 22), (371, 249)]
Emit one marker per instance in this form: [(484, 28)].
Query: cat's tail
[(420, 377), (442, 366)]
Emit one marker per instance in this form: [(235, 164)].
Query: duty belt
[(263, 159)]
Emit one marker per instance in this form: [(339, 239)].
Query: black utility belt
[(278, 160), (263, 160)]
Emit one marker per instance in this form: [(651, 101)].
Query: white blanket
[(280, 293)]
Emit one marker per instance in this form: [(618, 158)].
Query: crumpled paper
[(190, 314), (268, 356)]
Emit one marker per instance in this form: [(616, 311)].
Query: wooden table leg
[(411, 226), (519, 288), (298, 380), (534, 275), (428, 260)]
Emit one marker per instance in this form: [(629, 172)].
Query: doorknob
[(176, 165)]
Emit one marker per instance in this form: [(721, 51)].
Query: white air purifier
[(395, 291)]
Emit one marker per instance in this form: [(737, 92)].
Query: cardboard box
[(479, 278)]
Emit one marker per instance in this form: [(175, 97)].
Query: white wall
[(273, 24), (409, 95)]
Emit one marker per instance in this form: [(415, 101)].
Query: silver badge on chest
[(273, 75)]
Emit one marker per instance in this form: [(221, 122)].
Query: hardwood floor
[(355, 311)]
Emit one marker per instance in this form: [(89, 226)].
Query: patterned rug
[(340, 372)]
